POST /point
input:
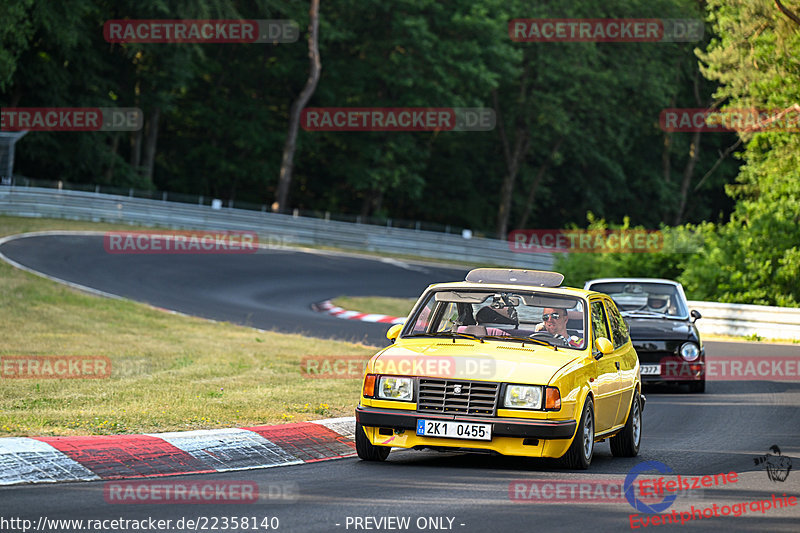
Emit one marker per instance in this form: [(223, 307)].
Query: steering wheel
[(547, 337)]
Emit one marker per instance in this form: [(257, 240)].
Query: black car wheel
[(368, 451), (626, 442), (579, 455)]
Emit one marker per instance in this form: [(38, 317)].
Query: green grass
[(376, 304), (169, 372)]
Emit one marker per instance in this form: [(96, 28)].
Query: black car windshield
[(554, 319), (644, 298)]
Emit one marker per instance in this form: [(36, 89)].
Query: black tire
[(697, 386), (626, 442), (579, 455), (368, 451)]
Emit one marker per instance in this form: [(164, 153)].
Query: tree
[(287, 162), (755, 256)]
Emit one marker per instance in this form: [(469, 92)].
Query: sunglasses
[(547, 316)]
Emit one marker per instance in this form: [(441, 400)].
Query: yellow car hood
[(466, 359)]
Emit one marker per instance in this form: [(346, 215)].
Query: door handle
[(617, 363)]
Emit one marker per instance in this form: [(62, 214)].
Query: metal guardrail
[(746, 320), (271, 228), (281, 230)]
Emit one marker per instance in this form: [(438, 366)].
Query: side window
[(421, 325), (599, 327), (449, 317), (618, 328)]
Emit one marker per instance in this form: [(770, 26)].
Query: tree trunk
[(136, 150), (666, 164), (537, 180), (114, 148), (507, 191), (151, 141), (688, 171), (513, 160), (287, 162), (694, 155), (373, 202)]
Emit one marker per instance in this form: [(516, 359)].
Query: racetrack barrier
[(748, 320), (287, 230), (293, 230)]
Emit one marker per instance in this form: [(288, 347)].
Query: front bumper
[(501, 427), (672, 368)]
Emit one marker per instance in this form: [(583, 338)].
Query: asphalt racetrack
[(723, 430)]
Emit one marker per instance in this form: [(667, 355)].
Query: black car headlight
[(689, 351)]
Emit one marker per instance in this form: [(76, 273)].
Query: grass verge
[(169, 372)]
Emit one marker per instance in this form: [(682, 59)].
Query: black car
[(661, 327)]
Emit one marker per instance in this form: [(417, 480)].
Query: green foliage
[(755, 256), (677, 246), (224, 108)]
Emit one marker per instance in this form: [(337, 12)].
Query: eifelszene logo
[(630, 493)]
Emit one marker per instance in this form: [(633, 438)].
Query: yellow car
[(506, 362)]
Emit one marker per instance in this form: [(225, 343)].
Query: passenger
[(490, 318)]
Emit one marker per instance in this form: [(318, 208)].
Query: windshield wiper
[(451, 334), (522, 339)]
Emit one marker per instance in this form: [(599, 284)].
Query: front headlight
[(523, 397), (392, 388), (690, 351)]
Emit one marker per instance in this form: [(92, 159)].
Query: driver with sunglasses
[(555, 323)]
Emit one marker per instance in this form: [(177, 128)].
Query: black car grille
[(439, 396)]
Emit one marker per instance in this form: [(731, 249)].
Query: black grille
[(439, 396)]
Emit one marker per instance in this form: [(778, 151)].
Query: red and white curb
[(58, 459), (328, 308)]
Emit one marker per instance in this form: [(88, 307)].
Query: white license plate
[(651, 370), (454, 430)]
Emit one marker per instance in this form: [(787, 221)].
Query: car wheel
[(368, 451), (626, 442), (579, 455), (697, 386)]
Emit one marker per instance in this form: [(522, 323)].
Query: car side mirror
[(603, 346), (695, 314), (394, 332)]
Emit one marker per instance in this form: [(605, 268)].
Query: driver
[(555, 323), (658, 303)]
